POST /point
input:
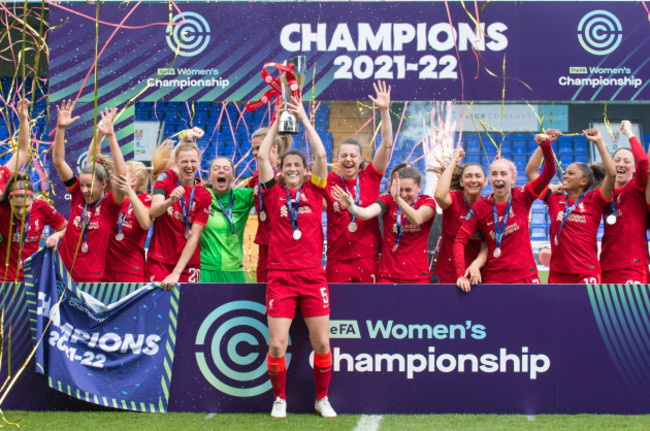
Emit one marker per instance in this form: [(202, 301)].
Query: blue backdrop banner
[(118, 354)]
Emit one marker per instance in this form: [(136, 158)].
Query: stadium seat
[(538, 232), (565, 144)]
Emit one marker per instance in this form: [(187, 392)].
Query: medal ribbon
[(17, 236), (568, 211), (186, 211), (85, 223), (121, 218), (612, 205), (356, 195), (228, 213), (399, 223), (259, 191), (500, 228), (276, 86), (293, 211)]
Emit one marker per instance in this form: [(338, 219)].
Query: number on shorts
[(323, 291), (590, 280), (633, 282), (195, 274)]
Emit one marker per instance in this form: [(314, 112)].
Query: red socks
[(322, 373), (278, 375)]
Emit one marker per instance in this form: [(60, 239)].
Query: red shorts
[(157, 271), (123, 277), (360, 270), (634, 275), (555, 277), (382, 280), (262, 263), (306, 288)]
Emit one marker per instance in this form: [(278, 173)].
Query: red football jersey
[(624, 243), (41, 215), (452, 218), (285, 252), (128, 254), (168, 237), (262, 235), (516, 262), (366, 240), (89, 265), (5, 174), (410, 260), (577, 249)]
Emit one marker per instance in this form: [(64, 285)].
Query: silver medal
[(119, 237), (84, 247), (297, 234), (497, 252), (611, 219), (263, 215), (188, 234), (352, 227)]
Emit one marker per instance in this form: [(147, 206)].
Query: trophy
[(288, 122)]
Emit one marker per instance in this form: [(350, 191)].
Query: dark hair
[(459, 170), (595, 174), (293, 153), (354, 142), (626, 149), (17, 182), (232, 165), (412, 173), (399, 166)]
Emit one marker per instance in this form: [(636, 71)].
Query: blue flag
[(118, 354)]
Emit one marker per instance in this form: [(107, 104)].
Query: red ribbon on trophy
[(276, 86)]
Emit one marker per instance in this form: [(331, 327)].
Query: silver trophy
[(288, 122)]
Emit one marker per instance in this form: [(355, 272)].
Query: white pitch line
[(531, 418), (368, 423), (210, 415)]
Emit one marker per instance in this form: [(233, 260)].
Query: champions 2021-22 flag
[(118, 354)]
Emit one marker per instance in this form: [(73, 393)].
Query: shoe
[(279, 410), (324, 408)]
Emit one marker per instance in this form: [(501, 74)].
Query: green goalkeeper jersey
[(221, 241)]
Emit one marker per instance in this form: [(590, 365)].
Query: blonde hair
[(186, 145), (510, 165), (104, 168), (161, 158), (283, 142), (141, 173)]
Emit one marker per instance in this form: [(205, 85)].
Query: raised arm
[(64, 119), (441, 194), (141, 212), (607, 187), (535, 161), (382, 101), (95, 147), (105, 127), (319, 165), (19, 158), (344, 198), (263, 161), (540, 183), (418, 216), (640, 157)]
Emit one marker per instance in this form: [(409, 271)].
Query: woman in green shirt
[(222, 238)]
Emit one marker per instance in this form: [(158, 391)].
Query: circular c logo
[(188, 33), (232, 345), (600, 32)]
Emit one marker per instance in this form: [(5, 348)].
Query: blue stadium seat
[(565, 144), (538, 232), (473, 158), (538, 217)]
